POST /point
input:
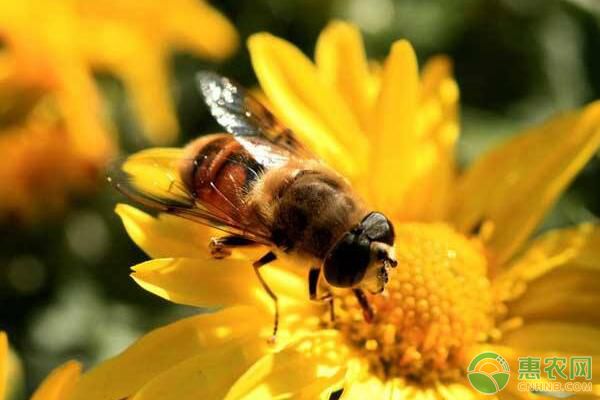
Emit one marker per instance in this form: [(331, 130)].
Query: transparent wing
[(152, 179), (244, 116)]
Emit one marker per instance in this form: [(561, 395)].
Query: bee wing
[(151, 178), (244, 116)]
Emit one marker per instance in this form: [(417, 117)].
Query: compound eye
[(378, 228), (346, 263)]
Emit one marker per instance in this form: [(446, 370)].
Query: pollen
[(436, 305)]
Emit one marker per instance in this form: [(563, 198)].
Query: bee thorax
[(312, 211)]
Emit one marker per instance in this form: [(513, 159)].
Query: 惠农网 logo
[(488, 373)]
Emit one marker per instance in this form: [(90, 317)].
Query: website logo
[(488, 373), (554, 376)]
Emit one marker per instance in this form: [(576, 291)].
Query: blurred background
[(66, 108)]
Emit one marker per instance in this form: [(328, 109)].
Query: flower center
[(436, 305)]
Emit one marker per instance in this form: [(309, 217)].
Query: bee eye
[(346, 263), (378, 228)]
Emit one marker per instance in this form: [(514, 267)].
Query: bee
[(259, 185)]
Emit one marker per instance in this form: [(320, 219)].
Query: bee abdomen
[(220, 173)]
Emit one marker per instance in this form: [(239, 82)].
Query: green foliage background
[(64, 286)]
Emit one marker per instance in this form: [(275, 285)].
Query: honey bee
[(258, 184)]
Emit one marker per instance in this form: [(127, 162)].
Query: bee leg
[(264, 260), (313, 283), (328, 297), (368, 313), (221, 247)]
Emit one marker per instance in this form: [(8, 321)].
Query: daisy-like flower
[(39, 171), (51, 50), (470, 278), (65, 42), (57, 385)]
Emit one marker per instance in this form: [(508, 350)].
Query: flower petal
[(322, 388), (342, 62), (428, 195), (160, 125), (60, 383), (452, 391), (554, 337), (315, 359), (551, 250), (153, 172), (166, 235), (306, 104), (205, 376), (360, 383), (206, 282), (395, 157), (557, 278), (371, 387), (162, 349), (3, 364), (514, 185), (565, 294), (146, 79), (217, 37)]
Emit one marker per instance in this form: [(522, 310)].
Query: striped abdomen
[(221, 174)]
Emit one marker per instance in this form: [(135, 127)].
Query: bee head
[(362, 255)]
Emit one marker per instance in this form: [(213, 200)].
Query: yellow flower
[(66, 41), (467, 280), (57, 386), (3, 364), (39, 171), (51, 50)]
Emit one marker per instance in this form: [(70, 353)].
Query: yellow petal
[(205, 376), (342, 62), (507, 394), (162, 349), (195, 25), (206, 282), (370, 388), (59, 384), (428, 197), (3, 364), (145, 80), (459, 391), (166, 235), (172, 236), (155, 172), (553, 249), (137, 51), (149, 92), (396, 158), (311, 359), (437, 82), (322, 388), (564, 294), (306, 104), (514, 185), (554, 337), (557, 278), (90, 136)]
